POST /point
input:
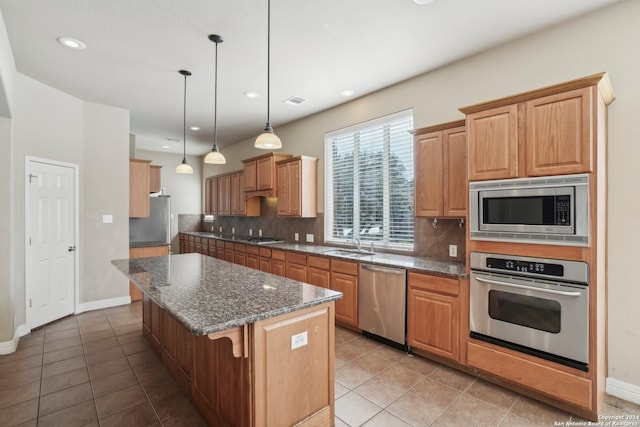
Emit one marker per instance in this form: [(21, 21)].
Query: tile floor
[(95, 369)]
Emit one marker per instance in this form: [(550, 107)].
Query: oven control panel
[(547, 269), (559, 269)]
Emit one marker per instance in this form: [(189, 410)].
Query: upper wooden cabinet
[(154, 178), (224, 195), (550, 131), (260, 174), (211, 196), (139, 188), (440, 170), (297, 179)]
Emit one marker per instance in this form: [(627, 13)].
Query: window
[(369, 183)]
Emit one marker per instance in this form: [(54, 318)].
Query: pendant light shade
[(184, 167), (268, 140), (215, 156)]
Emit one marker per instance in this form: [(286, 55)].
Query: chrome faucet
[(371, 247), (357, 242)]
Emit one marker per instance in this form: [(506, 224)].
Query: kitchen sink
[(351, 253)]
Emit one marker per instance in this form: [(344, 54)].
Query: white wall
[(51, 124), (6, 308), (603, 41)]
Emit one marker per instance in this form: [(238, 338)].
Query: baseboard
[(623, 390), (103, 303), (10, 346)]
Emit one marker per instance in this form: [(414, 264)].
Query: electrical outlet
[(260, 232), (221, 229), (453, 250), (299, 340), (250, 232), (212, 228), (107, 219), (233, 230), (296, 237), (309, 238)]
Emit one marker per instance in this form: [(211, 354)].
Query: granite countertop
[(208, 295), (418, 264), (146, 244)]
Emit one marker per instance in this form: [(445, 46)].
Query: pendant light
[(184, 166), (215, 156), (268, 140)]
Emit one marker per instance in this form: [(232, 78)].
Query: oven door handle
[(531, 288)]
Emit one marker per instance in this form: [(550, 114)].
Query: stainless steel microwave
[(550, 210)]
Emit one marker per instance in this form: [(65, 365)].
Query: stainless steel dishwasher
[(382, 302)]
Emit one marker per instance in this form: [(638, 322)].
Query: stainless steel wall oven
[(534, 305)]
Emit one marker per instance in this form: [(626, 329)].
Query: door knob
[(71, 249)]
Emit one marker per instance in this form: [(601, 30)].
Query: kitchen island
[(249, 348)]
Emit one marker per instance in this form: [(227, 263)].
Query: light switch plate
[(296, 236), (309, 238), (299, 340), (453, 250)]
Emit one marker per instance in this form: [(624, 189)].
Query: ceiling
[(318, 49)]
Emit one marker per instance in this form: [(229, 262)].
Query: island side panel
[(294, 368)]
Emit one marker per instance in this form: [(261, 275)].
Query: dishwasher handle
[(377, 269)]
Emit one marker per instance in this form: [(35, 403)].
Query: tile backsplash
[(429, 241)]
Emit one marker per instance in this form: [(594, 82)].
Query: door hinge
[(30, 303), (31, 176)]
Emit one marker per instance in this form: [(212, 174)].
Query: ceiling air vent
[(295, 100)]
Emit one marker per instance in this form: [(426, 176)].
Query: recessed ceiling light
[(347, 92), (423, 2), (166, 146), (252, 94), (72, 43), (195, 128)]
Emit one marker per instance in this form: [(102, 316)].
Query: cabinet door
[(278, 267), (265, 264), (428, 175), (297, 272), (236, 194), (282, 176), (138, 188), (318, 277), (154, 178), (212, 196), (265, 171), (207, 197), (294, 188), (559, 136), (253, 261), (347, 306), (493, 143), (432, 322), (250, 176), (455, 172), (224, 188)]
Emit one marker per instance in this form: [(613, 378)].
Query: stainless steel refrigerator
[(157, 227)]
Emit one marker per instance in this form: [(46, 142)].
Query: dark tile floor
[(96, 369)]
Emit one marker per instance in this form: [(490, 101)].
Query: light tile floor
[(96, 369)]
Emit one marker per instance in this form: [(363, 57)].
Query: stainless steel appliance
[(550, 210), (535, 305), (157, 227), (382, 302)]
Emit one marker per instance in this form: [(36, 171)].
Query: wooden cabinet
[(549, 131), (236, 194), (344, 278), (265, 260), (154, 178), (440, 158), (177, 351), (278, 262), (319, 271), (139, 188), (296, 266), (433, 315), (253, 257), (224, 195), (147, 251), (211, 196), (297, 179), (260, 174)]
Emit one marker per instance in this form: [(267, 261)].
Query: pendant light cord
[(184, 122), (268, 61), (215, 103)]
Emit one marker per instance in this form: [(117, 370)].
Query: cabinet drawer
[(434, 283), (319, 262), (280, 255), (345, 267), (296, 258), (239, 247), (229, 245), (265, 252), (254, 250)]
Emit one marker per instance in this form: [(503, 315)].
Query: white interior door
[(51, 251)]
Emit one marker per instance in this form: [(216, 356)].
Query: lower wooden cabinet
[(278, 262), (433, 314), (296, 266), (318, 271), (344, 278)]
